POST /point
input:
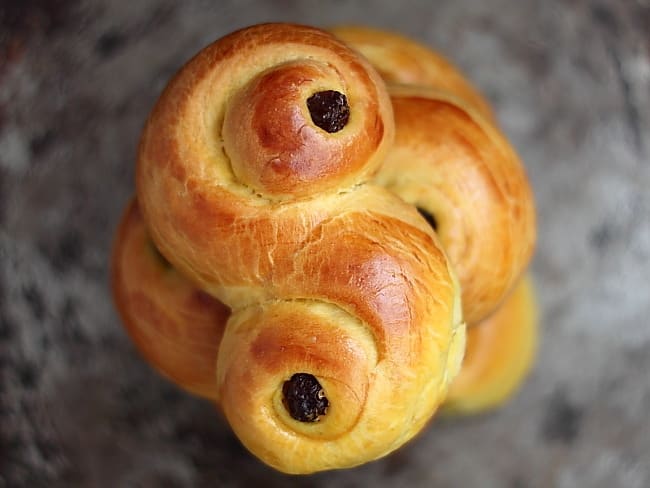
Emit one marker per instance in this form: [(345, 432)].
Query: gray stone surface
[(78, 407)]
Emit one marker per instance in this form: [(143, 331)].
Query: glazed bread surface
[(451, 161), (403, 61), (457, 168), (499, 354), (176, 326), (254, 181)]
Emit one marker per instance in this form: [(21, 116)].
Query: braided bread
[(253, 180)]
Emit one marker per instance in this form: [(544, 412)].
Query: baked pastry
[(403, 61), (176, 326), (253, 181), (461, 172), (179, 328), (451, 162), (499, 354)]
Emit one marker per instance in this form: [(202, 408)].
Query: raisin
[(429, 217), (304, 398), (159, 256), (329, 110)]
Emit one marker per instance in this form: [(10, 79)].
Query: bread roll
[(403, 61), (176, 326), (453, 164), (499, 355), (460, 171), (254, 181)]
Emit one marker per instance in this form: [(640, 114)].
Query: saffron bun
[(499, 355), (452, 162), (254, 181), (457, 168), (404, 61), (176, 326)]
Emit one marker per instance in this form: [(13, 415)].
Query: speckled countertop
[(78, 407)]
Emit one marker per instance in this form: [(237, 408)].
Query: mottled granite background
[(78, 407)]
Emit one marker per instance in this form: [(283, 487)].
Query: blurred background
[(570, 82)]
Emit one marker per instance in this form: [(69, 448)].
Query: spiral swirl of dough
[(326, 273), (403, 61), (454, 164)]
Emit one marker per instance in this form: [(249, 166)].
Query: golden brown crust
[(401, 60), (284, 152), (176, 326), (325, 273), (179, 329), (500, 352), (183, 160), (450, 162), (453, 164)]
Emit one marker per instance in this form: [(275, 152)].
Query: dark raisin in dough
[(304, 398), (329, 110), (429, 217)]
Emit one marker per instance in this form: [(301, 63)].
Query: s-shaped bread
[(458, 169), (253, 180), (176, 326), (403, 61), (451, 162), (499, 354)]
